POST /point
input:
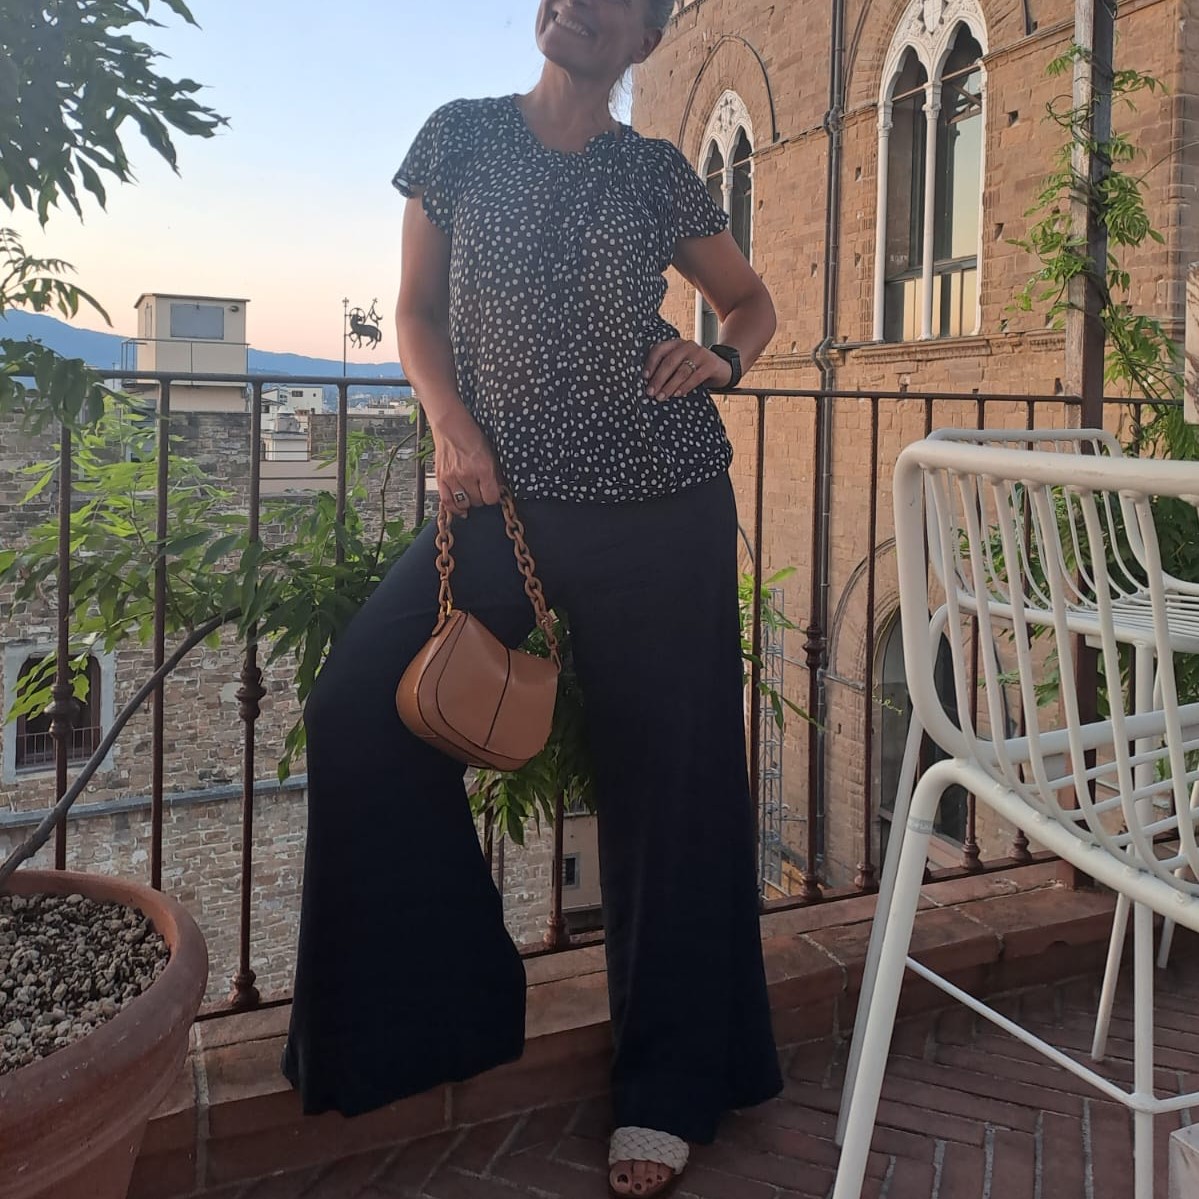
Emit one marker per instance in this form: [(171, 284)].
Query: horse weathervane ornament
[(364, 327), (361, 328)]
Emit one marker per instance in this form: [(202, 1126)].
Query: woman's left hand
[(675, 367)]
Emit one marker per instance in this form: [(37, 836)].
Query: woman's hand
[(467, 473), (673, 368)]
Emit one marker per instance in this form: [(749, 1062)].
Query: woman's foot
[(645, 1162)]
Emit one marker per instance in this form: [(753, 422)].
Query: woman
[(535, 238)]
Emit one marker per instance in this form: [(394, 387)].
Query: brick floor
[(967, 1113)]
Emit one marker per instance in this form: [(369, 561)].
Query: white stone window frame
[(928, 27), (16, 655), (730, 118)]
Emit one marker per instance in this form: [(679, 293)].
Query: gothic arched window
[(931, 122)]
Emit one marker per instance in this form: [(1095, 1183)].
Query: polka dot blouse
[(556, 279)]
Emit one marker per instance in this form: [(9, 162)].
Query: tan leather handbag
[(469, 694)]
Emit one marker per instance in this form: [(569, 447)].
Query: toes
[(638, 1178)]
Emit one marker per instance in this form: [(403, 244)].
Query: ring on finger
[(692, 367), (460, 497)]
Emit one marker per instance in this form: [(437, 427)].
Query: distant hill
[(103, 350)]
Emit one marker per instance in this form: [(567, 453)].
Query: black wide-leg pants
[(406, 976)]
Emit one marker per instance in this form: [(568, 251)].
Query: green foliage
[(773, 621), (511, 800), (295, 591), (73, 74), (74, 78), (1142, 359), (1142, 362)]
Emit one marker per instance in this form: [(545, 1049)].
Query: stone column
[(880, 222), (932, 110)]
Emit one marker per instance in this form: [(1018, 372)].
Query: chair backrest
[(1021, 542), (1126, 558)]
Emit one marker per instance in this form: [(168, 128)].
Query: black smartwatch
[(732, 356)]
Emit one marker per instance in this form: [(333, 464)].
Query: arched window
[(726, 165), (26, 743), (893, 714), (930, 176)]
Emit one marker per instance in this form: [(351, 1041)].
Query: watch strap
[(732, 356)]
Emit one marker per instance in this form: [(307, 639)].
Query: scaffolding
[(770, 775)]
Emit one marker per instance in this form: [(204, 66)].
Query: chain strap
[(445, 563), (524, 561)]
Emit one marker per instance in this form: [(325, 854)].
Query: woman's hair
[(658, 13)]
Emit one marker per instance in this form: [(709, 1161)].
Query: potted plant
[(100, 978)]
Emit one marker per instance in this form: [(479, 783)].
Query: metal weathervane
[(359, 327)]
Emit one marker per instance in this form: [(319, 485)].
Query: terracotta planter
[(71, 1124)]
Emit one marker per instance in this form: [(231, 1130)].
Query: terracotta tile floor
[(967, 1113)]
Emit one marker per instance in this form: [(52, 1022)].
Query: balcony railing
[(811, 474)]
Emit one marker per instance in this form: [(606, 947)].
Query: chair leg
[(1143, 1048), (1163, 950), (875, 1036), (886, 889), (1146, 681), (1111, 977)]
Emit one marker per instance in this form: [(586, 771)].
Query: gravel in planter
[(67, 965)]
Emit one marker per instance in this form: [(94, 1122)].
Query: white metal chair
[(1131, 626), (1019, 539)]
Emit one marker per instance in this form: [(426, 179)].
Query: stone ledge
[(231, 1116)]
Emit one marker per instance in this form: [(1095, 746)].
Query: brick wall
[(776, 57)]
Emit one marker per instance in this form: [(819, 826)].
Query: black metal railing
[(811, 475)]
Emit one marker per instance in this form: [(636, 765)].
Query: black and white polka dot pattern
[(556, 280)]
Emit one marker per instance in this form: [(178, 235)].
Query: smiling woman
[(536, 236)]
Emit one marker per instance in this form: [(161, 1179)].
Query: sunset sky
[(291, 206)]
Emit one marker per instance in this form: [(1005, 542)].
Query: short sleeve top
[(556, 281)]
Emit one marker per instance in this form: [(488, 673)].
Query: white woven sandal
[(632, 1144)]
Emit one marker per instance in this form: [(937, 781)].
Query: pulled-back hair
[(658, 13)]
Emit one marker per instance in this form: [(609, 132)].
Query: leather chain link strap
[(524, 562), (445, 562)]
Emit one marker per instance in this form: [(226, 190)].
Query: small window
[(570, 870), (198, 322), (34, 742)]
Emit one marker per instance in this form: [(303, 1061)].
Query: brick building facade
[(939, 145)]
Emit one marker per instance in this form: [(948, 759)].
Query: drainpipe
[(816, 645)]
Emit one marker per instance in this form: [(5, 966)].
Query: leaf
[(218, 548)]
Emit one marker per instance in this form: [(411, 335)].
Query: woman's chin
[(571, 54)]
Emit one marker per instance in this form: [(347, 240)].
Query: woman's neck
[(565, 112)]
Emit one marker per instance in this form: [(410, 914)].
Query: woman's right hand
[(468, 475)]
